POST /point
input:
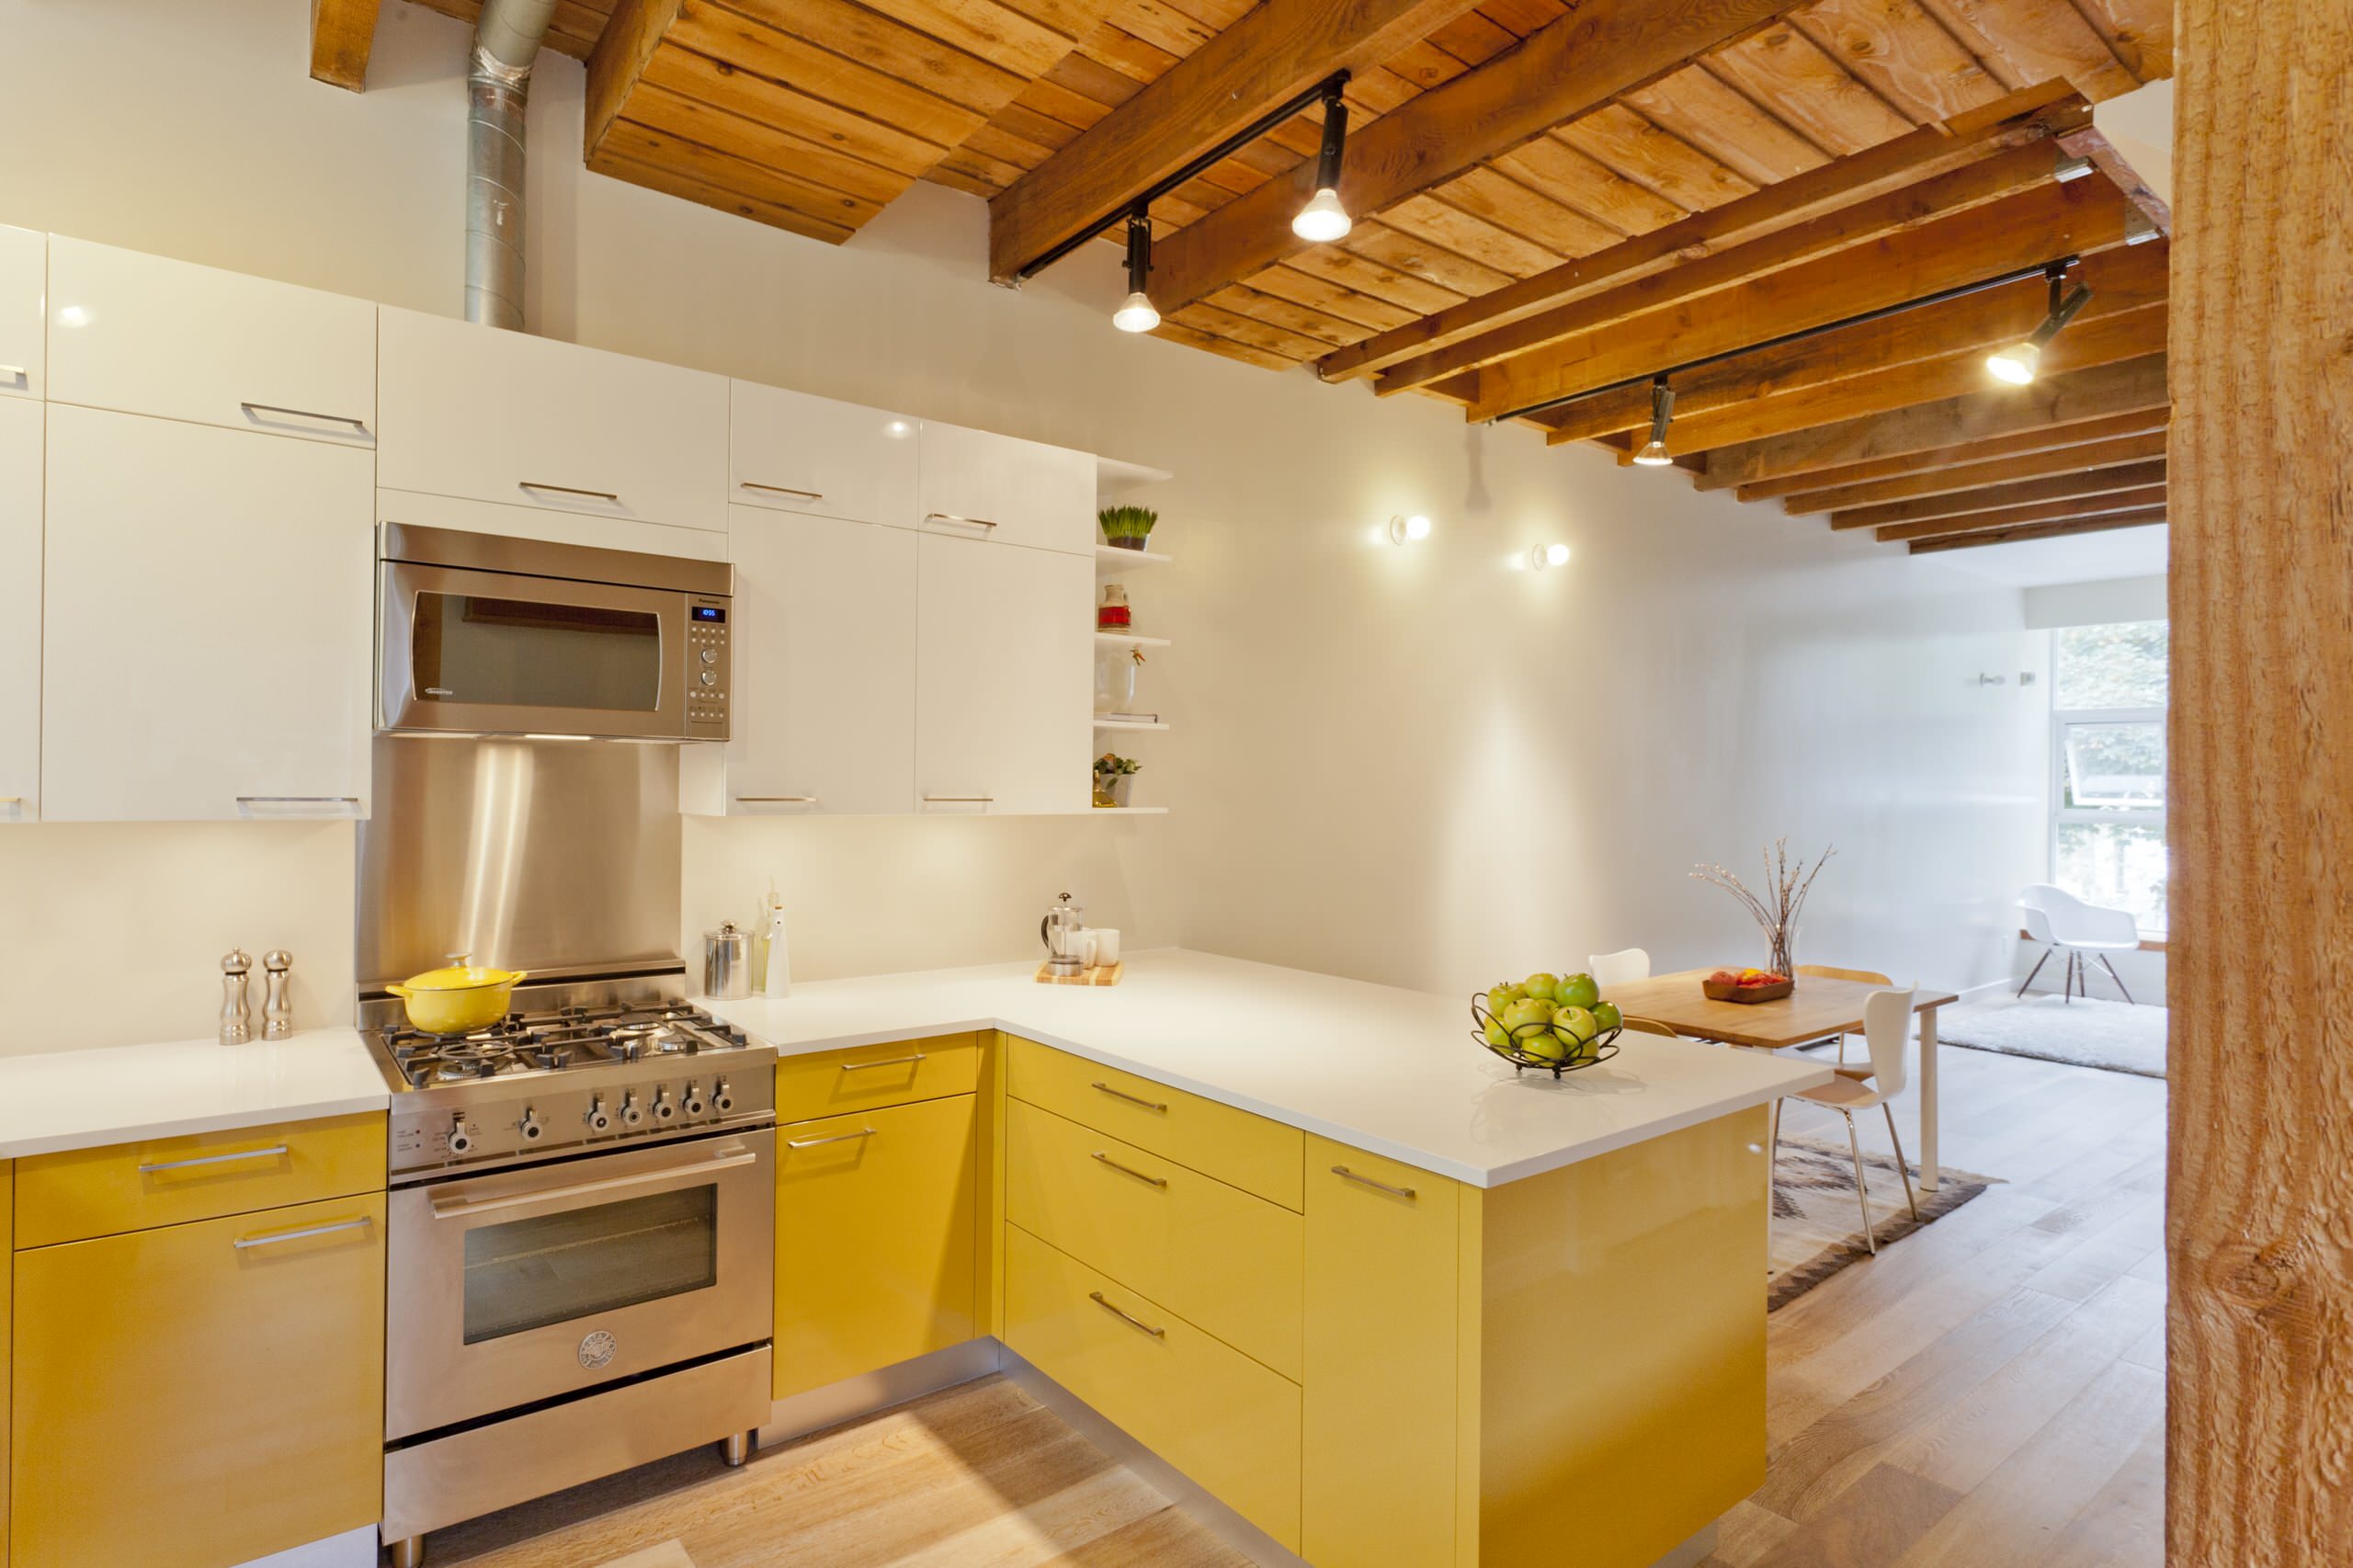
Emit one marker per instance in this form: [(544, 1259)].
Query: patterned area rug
[(1817, 1226), (2089, 1031)]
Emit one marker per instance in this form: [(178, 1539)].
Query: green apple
[(1525, 1013), (1576, 991), (1544, 1045), (1608, 1017), (1502, 996), (1540, 985), (1497, 1033), (1574, 1025)]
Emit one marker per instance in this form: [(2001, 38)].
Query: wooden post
[(2259, 1228)]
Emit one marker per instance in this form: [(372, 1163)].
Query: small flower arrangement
[(1113, 774), (1127, 527)]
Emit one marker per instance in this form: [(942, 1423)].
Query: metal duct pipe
[(498, 85)]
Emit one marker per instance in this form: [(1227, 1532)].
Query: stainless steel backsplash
[(555, 856)]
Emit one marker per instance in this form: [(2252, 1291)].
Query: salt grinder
[(276, 1005), (236, 1007)]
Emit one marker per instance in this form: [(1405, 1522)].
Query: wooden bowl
[(1718, 990)]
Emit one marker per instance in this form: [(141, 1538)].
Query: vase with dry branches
[(1776, 909)]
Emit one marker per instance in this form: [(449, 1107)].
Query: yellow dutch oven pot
[(456, 1000)]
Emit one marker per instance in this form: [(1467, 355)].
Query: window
[(2108, 766)]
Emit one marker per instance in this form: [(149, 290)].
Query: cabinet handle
[(300, 1233), (887, 1062), (359, 424), (298, 800), (1128, 1171), (568, 490), (269, 1154), (725, 1160), (782, 490), (1346, 1175), (11, 800), (1133, 1099), (959, 799), (776, 799), (837, 1138), (952, 517), (1097, 1297), (15, 373)]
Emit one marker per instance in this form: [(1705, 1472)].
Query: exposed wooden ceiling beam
[(2134, 386), (2045, 40), (2113, 501), (1922, 154), (630, 38), (2121, 279), (2141, 517), (2043, 438), (1602, 48), (1974, 476), (2129, 335), (1995, 497), (1949, 251), (1268, 58), (2088, 141), (343, 33)]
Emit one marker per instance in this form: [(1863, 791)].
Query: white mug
[(1105, 944), (1082, 946)]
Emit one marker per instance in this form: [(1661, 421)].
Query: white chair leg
[(1904, 1170), (1862, 1192)]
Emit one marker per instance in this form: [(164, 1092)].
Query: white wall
[(1414, 765)]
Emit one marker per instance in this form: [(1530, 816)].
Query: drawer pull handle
[(359, 424), (1346, 1175), (269, 1154), (11, 800), (952, 517), (300, 1233), (776, 799), (1134, 1099), (298, 800), (837, 1138), (886, 1062), (568, 490), (1097, 1297), (783, 489), (959, 799), (15, 373), (1129, 1171)]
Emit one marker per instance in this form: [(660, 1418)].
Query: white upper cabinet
[(209, 623), (24, 269), (1003, 678), (143, 334), (980, 485), (20, 470), (484, 415), (825, 674), (793, 453)]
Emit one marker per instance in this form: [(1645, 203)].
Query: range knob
[(720, 1100), (632, 1112), (531, 1125), (710, 655), (599, 1118), (662, 1110), (709, 677), (694, 1103), (459, 1142)]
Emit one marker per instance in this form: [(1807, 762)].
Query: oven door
[(526, 1285), (496, 653)]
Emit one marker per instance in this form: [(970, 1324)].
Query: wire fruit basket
[(1537, 1045)]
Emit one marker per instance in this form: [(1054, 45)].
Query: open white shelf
[(1128, 724), (1111, 475), (1111, 555), (1132, 810), (1129, 640)]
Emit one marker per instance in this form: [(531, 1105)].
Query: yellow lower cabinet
[(199, 1394), (7, 1214), (1209, 1410), (875, 1261)]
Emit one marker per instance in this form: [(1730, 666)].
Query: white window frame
[(2062, 813)]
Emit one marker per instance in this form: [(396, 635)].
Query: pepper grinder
[(236, 1008), (276, 1007)]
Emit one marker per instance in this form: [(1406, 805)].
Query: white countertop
[(1385, 1070), (77, 1100)]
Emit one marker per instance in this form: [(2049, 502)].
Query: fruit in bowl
[(1748, 977)]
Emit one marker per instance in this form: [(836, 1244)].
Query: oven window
[(527, 1274), (526, 654)]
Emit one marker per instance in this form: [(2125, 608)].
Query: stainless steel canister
[(727, 963)]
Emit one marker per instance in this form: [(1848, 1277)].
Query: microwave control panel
[(709, 668)]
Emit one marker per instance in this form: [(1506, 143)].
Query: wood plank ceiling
[(1515, 247)]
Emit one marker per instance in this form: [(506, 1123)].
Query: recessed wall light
[(1403, 529), (72, 316), (1542, 555)]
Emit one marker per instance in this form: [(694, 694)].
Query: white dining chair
[(2056, 916), (1887, 1020), (1620, 968), (1823, 971)]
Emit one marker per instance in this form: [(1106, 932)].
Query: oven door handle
[(459, 1208)]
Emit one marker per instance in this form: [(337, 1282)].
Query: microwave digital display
[(707, 612)]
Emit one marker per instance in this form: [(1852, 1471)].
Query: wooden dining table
[(1818, 1009)]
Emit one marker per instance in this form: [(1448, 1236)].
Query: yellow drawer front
[(7, 1213), (1210, 1411), (169, 1181), (1249, 1152), (1225, 1260), (185, 1402), (874, 1259), (870, 1075)]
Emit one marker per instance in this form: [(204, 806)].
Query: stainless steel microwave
[(480, 634)]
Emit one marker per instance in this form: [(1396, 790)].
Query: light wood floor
[(1987, 1393)]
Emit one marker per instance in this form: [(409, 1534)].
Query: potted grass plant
[(1127, 527), (1114, 775)]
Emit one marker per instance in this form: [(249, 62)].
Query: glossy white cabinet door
[(793, 453), (24, 269), (491, 416), (1004, 676), (1032, 493), (825, 667), (208, 623), (20, 465), (145, 334)]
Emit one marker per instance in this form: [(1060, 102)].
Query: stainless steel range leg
[(736, 1447), (409, 1553)]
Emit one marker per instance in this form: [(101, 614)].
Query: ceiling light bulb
[(1543, 555), (2016, 365), (1654, 455), (1135, 314), (1408, 530), (1323, 220)]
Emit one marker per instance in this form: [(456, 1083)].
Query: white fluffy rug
[(2088, 1032)]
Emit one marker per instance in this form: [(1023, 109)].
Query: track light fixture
[(2016, 365), (1323, 219), (1654, 453), (1135, 312)]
